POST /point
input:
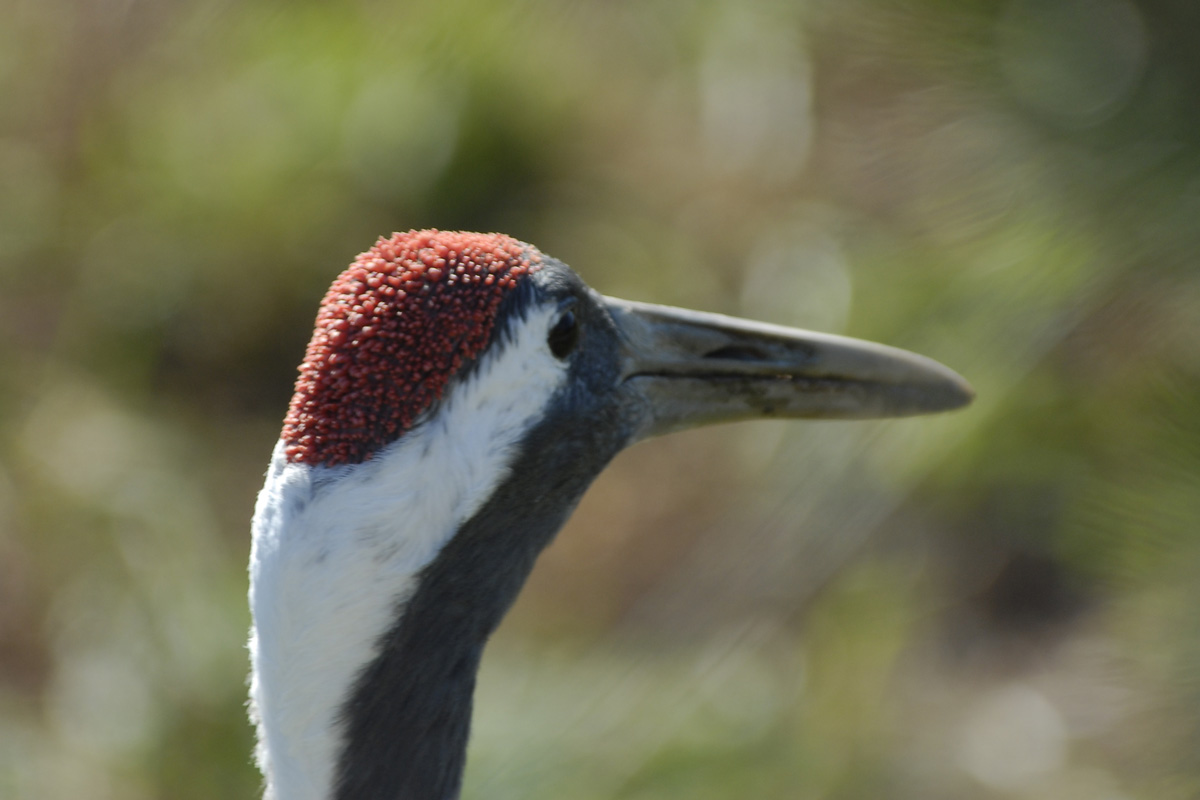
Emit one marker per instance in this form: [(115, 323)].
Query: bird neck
[(374, 586), (408, 718), (339, 558), (368, 635)]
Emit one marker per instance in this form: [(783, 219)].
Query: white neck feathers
[(337, 552)]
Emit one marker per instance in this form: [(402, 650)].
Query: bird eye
[(564, 335)]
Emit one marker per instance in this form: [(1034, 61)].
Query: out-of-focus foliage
[(998, 603)]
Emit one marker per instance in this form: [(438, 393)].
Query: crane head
[(415, 313), (459, 394)]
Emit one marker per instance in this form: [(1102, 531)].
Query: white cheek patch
[(337, 551)]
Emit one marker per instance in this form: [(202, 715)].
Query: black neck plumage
[(407, 721)]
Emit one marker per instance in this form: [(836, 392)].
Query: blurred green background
[(998, 603)]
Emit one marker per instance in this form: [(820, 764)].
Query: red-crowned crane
[(459, 394)]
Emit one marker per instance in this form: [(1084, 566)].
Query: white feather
[(336, 550)]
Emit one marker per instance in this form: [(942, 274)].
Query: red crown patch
[(392, 330)]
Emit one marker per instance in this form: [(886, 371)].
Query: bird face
[(419, 313), (644, 369), (459, 394)]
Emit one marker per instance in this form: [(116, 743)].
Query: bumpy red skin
[(392, 331)]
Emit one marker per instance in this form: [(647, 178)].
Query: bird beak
[(691, 368)]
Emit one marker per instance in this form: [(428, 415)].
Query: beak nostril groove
[(737, 352)]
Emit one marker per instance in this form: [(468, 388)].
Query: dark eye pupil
[(564, 335)]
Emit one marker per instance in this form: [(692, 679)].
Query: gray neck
[(408, 717)]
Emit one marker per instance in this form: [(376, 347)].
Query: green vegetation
[(992, 604)]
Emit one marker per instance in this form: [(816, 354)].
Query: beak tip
[(955, 393)]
